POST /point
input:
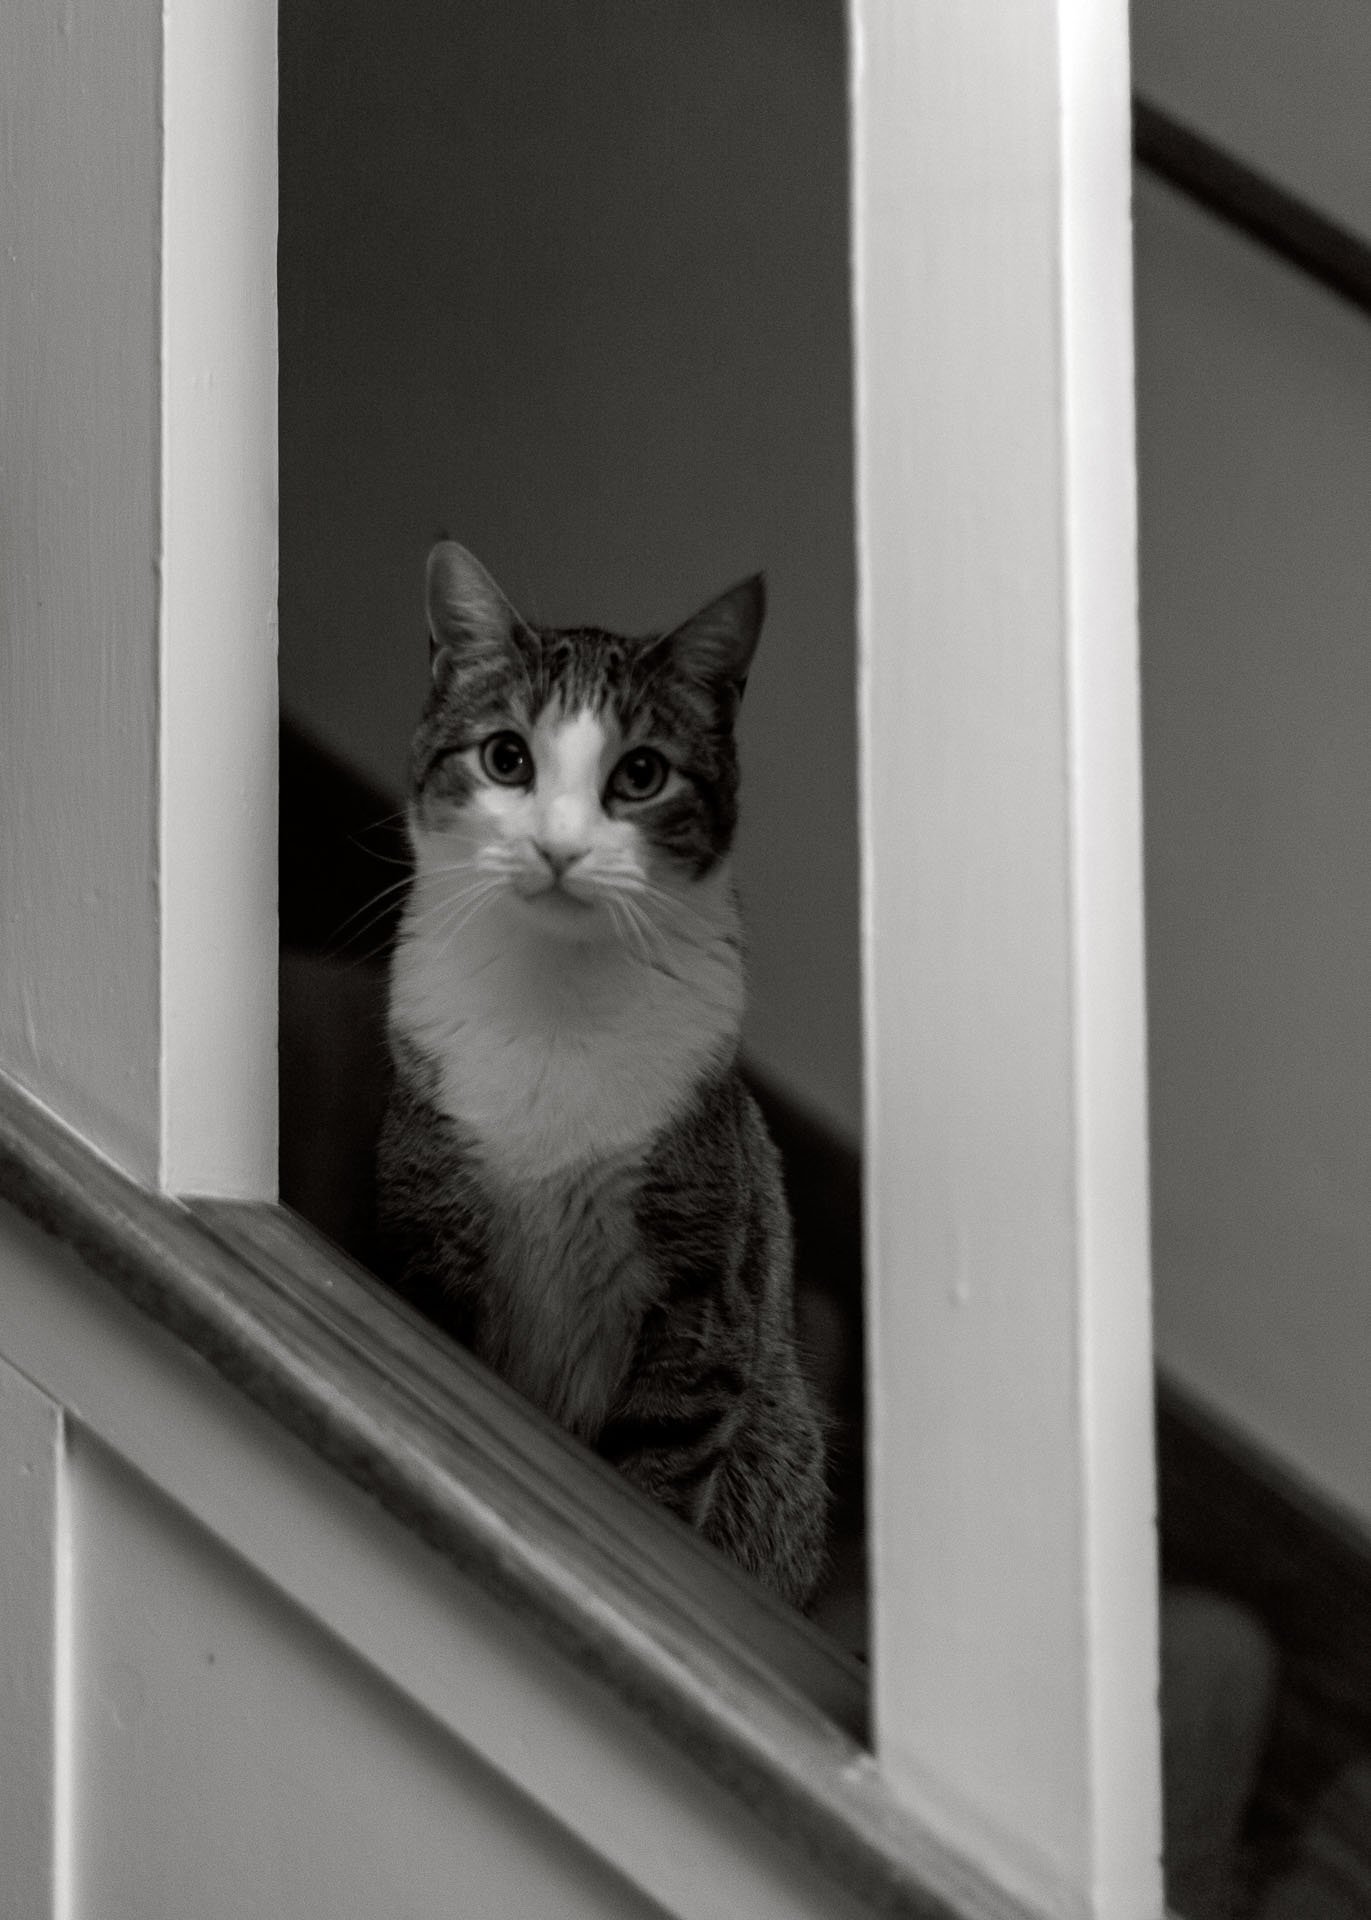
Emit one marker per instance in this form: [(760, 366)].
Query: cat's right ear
[(467, 613), (716, 645)]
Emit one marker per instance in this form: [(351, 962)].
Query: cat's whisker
[(439, 906), (379, 905), (619, 925), (618, 906), (387, 819), (364, 845), (639, 899), (374, 909), (633, 927), (690, 924), (658, 961), (632, 879), (674, 901), (642, 926), (645, 898), (415, 919), (436, 912), (374, 853), (481, 893), (447, 870), (609, 886)]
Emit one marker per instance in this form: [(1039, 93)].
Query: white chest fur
[(550, 1054), (560, 1063)]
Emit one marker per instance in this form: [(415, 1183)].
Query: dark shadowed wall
[(570, 284), (1254, 390)]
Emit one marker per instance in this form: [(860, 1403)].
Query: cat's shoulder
[(718, 1142)]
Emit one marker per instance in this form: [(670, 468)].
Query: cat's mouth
[(557, 894)]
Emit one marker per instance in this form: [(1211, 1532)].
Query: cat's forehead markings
[(571, 746)]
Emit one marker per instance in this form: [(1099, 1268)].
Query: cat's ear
[(467, 613), (715, 646)]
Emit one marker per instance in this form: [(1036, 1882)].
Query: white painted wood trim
[(1010, 1364), (137, 555), (79, 366), (34, 1805), (467, 1660), (218, 704), (1106, 845)]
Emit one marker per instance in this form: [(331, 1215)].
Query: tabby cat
[(573, 1180)]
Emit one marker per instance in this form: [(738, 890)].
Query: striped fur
[(573, 1179)]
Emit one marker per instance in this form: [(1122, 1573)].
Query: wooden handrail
[(768, 1706), (1237, 194)]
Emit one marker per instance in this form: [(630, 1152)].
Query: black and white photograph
[(685, 960)]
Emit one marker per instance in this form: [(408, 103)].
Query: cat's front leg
[(673, 1433)]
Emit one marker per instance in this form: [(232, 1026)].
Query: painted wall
[(1280, 83), (571, 284), (1255, 465), (202, 1702), (1254, 414)]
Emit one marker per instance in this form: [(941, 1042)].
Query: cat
[(573, 1179)]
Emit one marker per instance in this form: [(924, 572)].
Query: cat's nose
[(561, 836), (558, 855), (562, 832)]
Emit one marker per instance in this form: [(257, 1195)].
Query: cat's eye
[(640, 775), (506, 759)]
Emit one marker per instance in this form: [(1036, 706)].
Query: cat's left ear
[(716, 645), (467, 613)]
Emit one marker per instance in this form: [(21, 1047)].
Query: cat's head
[(590, 778)]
